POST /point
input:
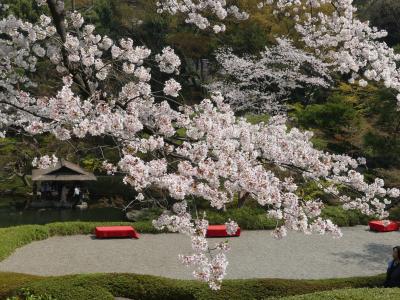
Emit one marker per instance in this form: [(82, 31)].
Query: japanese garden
[(199, 149)]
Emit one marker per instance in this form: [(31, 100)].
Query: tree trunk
[(56, 8), (242, 199), (24, 179), (34, 195)]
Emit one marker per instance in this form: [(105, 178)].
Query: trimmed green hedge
[(350, 294), (394, 213), (146, 287), (248, 218), (255, 218), (14, 237), (343, 218)]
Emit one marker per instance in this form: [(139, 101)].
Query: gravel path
[(254, 255)]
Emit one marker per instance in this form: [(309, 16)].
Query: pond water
[(9, 217)]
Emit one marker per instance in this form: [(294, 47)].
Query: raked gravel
[(255, 254)]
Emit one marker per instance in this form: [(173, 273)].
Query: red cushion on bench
[(379, 226), (219, 231), (116, 231)]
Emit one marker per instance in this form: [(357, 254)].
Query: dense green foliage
[(343, 217), (250, 218), (13, 281), (383, 14), (26, 294), (350, 294), (358, 121), (145, 287), (25, 9)]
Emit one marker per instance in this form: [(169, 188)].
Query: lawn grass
[(146, 287)]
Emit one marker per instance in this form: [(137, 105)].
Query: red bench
[(116, 231), (380, 226), (219, 231)]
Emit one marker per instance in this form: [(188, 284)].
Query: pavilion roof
[(62, 171)]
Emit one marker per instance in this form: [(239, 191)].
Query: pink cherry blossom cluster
[(262, 83), (198, 11), (18, 52), (168, 61), (231, 227), (210, 263), (337, 36), (45, 162), (352, 45), (109, 168), (82, 60), (172, 88)]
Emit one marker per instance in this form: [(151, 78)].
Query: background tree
[(384, 14)]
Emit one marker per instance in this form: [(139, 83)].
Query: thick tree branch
[(58, 14)]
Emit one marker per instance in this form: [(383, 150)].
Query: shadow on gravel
[(374, 255)]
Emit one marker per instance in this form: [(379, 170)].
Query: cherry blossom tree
[(329, 31), (200, 12), (106, 91), (263, 83)]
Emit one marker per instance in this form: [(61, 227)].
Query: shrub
[(353, 294), (394, 213), (343, 217), (105, 286), (70, 288), (335, 116), (12, 281), (255, 218), (26, 294), (249, 218), (145, 287)]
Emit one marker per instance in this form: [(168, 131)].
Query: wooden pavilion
[(55, 186)]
